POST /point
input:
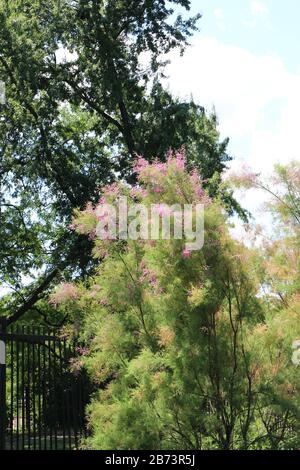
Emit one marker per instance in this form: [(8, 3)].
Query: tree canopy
[(81, 101)]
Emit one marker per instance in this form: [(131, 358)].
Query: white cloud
[(256, 98), (259, 13), (258, 8), (218, 13), (244, 88), (250, 23)]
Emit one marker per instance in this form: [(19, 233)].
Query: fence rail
[(42, 401)]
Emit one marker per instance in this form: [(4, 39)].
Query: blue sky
[(245, 62), (262, 27)]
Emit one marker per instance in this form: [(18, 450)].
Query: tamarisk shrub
[(167, 328)]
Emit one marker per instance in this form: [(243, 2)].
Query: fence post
[(2, 383)]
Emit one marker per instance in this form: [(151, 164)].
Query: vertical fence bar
[(44, 399), (2, 383), (17, 390), (55, 414), (50, 407), (28, 395), (23, 388), (80, 403), (39, 392), (11, 363), (63, 397), (68, 396), (33, 392), (83, 394), (74, 401)]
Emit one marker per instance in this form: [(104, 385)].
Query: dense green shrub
[(177, 339)]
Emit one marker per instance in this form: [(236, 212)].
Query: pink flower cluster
[(197, 184), (101, 213), (160, 167), (150, 172), (64, 292), (83, 351), (245, 178), (138, 192), (294, 176), (140, 164), (162, 209), (111, 190), (92, 234), (158, 189), (186, 253), (102, 252), (147, 275), (180, 160), (76, 365)]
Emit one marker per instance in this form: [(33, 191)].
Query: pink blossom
[(102, 200), (92, 234), (295, 176), (158, 189), (136, 191), (246, 178), (159, 167), (160, 290), (83, 351), (147, 275), (162, 209), (64, 292), (197, 184), (142, 264), (112, 189), (199, 192), (102, 213), (96, 287), (101, 252), (105, 234), (186, 253), (94, 290), (195, 178), (140, 164), (180, 160), (76, 365)]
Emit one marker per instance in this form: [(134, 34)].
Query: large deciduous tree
[(79, 105)]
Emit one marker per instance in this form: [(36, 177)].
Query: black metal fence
[(42, 400)]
